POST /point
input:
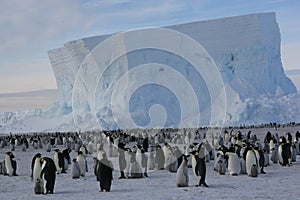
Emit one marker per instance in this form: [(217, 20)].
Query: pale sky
[(28, 28)]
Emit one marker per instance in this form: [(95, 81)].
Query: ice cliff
[(245, 49)]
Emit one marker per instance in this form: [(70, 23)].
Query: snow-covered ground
[(278, 182)]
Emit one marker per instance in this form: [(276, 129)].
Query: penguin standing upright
[(182, 177), (198, 164), (12, 144), (135, 167), (151, 159), (127, 154), (142, 159), (81, 163), (75, 169), (36, 168), (159, 158), (234, 166), (104, 173), (220, 165), (284, 152), (122, 160), (59, 161), (11, 164), (251, 163), (48, 175)]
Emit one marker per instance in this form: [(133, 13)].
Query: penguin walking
[(198, 165), (48, 175), (82, 163), (104, 173), (75, 169), (234, 166), (182, 177), (10, 164)]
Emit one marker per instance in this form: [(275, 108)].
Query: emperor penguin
[(151, 159), (122, 160), (284, 152), (135, 168), (75, 169), (142, 159), (159, 158), (182, 177), (48, 147), (199, 165), (90, 147), (11, 164), (59, 161), (81, 163), (274, 154), (127, 154), (293, 152), (36, 167), (36, 160), (251, 163), (48, 175), (220, 164), (12, 144), (67, 158), (234, 166), (167, 154), (104, 169)]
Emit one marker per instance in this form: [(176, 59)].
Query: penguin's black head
[(38, 155), (56, 150)]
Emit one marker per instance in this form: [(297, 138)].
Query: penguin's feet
[(146, 175), (263, 172), (205, 185), (122, 177)]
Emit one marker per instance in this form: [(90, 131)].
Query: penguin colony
[(138, 151)]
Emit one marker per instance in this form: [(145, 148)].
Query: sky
[(29, 28)]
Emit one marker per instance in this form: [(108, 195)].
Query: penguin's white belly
[(280, 158), (81, 163), (9, 168), (234, 166), (250, 161)]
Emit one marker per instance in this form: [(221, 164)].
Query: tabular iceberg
[(244, 49)]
